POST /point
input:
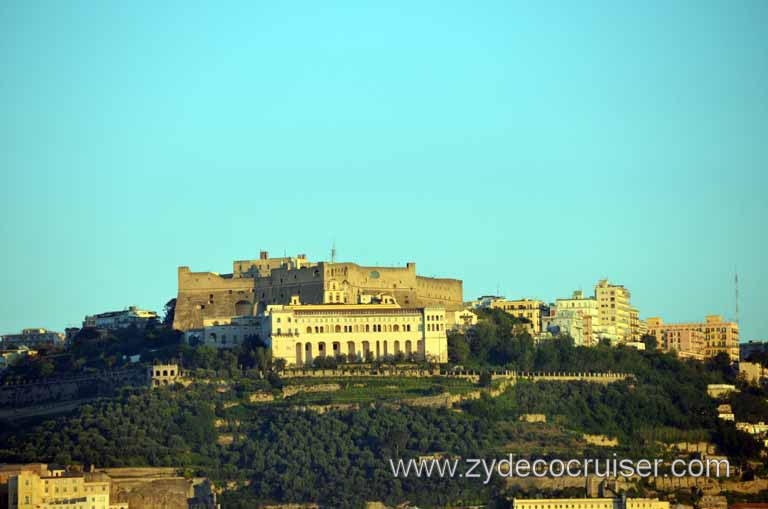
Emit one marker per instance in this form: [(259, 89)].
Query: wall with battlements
[(208, 298)]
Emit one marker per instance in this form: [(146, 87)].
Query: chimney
[(263, 255)]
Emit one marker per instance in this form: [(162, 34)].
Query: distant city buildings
[(12, 356), (33, 338), (713, 334), (112, 320)]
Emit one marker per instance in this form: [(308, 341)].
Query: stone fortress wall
[(208, 297)]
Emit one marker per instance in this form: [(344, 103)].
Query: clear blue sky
[(535, 147)]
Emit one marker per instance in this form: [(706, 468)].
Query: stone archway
[(298, 355), (351, 355)]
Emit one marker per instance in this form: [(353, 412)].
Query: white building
[(120, 319), (565, 321)]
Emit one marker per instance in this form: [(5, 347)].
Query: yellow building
[(163, 374), (58, 489), (615, 310), (711, 337), (524, 308), (300, 333), (590, 503)]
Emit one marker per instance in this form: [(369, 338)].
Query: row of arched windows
[(377, 327)]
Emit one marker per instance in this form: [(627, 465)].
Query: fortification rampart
[(471, 375), (35, 392), (208, 297)]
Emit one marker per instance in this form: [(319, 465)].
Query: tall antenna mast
[(333, 252), (736, 285)]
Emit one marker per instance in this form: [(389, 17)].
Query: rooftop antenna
[(333, 252)]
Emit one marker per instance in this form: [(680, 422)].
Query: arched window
[(309, 330), (337, 328)]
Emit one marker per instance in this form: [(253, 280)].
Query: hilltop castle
[(209, 298)]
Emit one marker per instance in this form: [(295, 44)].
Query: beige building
[(58, 489), (590, 503), (464, 319), (300, 333), (163, 374), (529, 309), (205, 297), (33, 338), (615, 310), (687, 340), (718, 336)]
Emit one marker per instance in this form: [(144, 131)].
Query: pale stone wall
[(206, 297)]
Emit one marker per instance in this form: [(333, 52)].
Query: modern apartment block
[(614, 308)]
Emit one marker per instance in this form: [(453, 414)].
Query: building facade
[(531, 310), (565, 321), (718, 336), (206, 297), (463, 320), (753, 372), (111, 320), (33, 338), (588, 309), (614, 307), (226, 335), (58, 489), (159, 375), (300, 333)]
